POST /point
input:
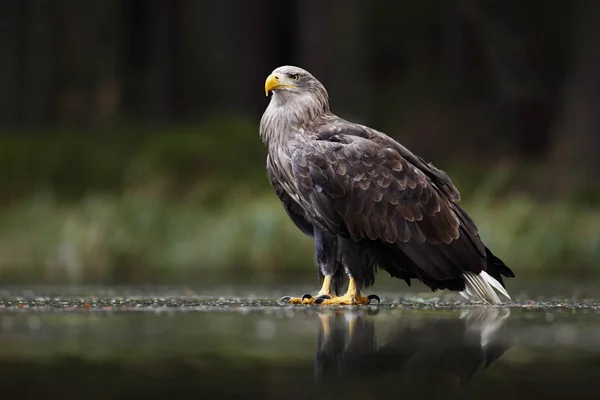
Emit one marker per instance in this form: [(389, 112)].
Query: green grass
[(132, 238), (146, 239)]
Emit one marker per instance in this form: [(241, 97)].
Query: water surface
[(115, 343)]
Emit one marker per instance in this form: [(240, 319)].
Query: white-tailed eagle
[(367, 201)]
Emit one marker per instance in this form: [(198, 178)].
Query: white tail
[(481, 287)]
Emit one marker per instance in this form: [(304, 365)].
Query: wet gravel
[(248, 298), (196, 304)]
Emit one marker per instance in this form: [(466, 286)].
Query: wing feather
[(292, 208), (369, 188)]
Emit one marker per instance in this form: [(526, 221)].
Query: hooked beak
[(276, 81)]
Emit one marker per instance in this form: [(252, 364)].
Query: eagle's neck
[(288, 117)]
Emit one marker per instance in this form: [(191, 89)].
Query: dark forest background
[(130, 151)]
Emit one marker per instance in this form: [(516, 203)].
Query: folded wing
[(360, 186)]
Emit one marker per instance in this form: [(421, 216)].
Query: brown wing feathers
[(367, 191), (293, 209)]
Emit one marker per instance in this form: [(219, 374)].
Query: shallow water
[(119, 343)]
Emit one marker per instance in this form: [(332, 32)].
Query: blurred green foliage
[(181, 204), (171, 160)]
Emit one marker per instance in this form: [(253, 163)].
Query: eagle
[(368, 202)]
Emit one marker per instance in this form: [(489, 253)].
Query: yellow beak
[(271, 83), (275, 81)]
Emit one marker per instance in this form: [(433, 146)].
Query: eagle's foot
[(347, 300), (325, 292), (305, 299), (351, 298)]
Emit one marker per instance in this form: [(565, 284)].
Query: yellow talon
[(298, 300), (307, 298), (346, 300), (351, 298)]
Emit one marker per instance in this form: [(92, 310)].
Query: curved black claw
[(321, 299), (285, 299), (374, 297), (306, 296), (324, 297)]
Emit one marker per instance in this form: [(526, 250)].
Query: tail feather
[(481, 287), (497, 268)]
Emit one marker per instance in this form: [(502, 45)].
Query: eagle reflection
[(413, 352)]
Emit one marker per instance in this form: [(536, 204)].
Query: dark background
[(130, 150)]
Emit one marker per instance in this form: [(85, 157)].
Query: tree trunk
[(37, 62), (9, 65), (575, 158), (157, 83), (333, 45)]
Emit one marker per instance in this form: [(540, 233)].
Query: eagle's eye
[(294, 77)]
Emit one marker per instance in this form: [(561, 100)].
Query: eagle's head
[(290, 84)]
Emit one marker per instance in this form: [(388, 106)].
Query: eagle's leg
[(352, 297), (325, 292), (329, 270)]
